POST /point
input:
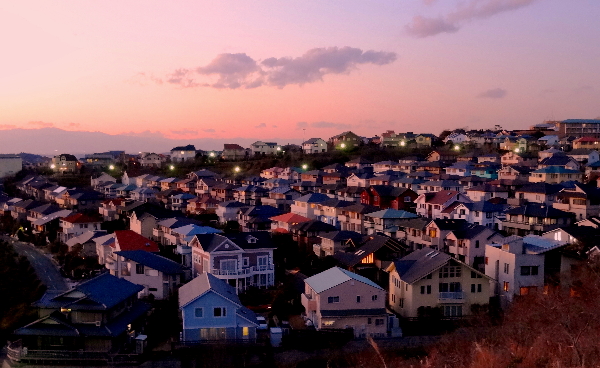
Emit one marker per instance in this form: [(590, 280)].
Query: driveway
[(45, 269)]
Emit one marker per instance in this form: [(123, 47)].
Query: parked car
[(262, 323)]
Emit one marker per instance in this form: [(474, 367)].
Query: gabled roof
[(362, 247), (312, 141), (233, 146), (80, 218), (313, 226), (470, 231), (333, 277), (85, 237), (153, 261), (290, 218), (420, 263), (539, 210), (391, 213), (440, 197), (189, 147), (130, 240), (542, 188), (555, 170), (244, 240), (203, 283), (313, 198)]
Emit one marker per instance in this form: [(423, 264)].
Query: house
[(583, 155), (370, 255), (554, 175), (50, 222), (233, 152), (439, 185), (151, 159), (228, 210), (352, 218), (467, 244), (387, 196), (159, 276), (535, 219), (76, 199), (260, 148), (581, 199), (307, 204), (336, 299), (483, 213), (163, 232), (331, 242), (427, 280), (345, 140), (211, 311), (514, 172), (587, 143), (257, 218), (75, 225), (108, 245), (485, 192), (242, 259), (382, 221), (432, 204), (108, 209), (86, 242), (281, 197), (314, 145), (537, 193), (359, 163), (90, 322), (179, 201), (559, 160), (307, 233), (437, 229), (518, 265), (64, 163), (383, 166), (144, 218), (283, 223), (250, 194), (518, 159), (461, 168), (223, 191), (103, 178), (183, 153), (22, 209), (10, 165)]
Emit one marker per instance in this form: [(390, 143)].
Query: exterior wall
[(347, 292), (10, 165), (180, 156), (192, 325), (406, 299), (153, 281), (143, 226)]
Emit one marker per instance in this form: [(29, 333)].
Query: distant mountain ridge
[(52, 141)]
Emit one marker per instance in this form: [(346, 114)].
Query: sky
[(292, 70)]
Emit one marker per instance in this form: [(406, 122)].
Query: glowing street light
[(343, 145), (172, 167), (52, 166), (304, 167), (517, 150), (403, 143), (111, 167), (236, 169), (278, 148), (457, 147), (212, 154)]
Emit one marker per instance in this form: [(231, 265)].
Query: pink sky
[(267, 69)]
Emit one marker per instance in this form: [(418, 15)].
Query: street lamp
[(52, 166), (517, 150), (304, 167), (111, 167), (236, 169), (212, 154), (172, 167), (403, 143), (343, 145), (457, 147)]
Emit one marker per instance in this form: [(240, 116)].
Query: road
[(45, 269)]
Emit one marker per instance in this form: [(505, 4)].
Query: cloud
[(74, 125), (233, 71), (274, 126), (7, 126), (261, 125), (41, 124), (493, 93), (208, 130), (465, 12), (322, 125), (424, 27), (185, 132), (146, 134)]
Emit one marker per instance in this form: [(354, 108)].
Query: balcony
[(451, 297), (183, 249), (262, 268), (240, 272)]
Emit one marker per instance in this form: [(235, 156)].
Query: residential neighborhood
[(365, 238)]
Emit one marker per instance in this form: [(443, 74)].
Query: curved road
[(45, 269)]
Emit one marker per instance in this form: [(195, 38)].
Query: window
[(506, 286), (358, 298), (369, 321), (428, 289), (506, 268), (423, 289), (333, 299), (152, 289), (452, 310), (139, 269), (476, 288), (220, 312), (449, 287), (245, 262), (475, 275), (379, 322), (450, 271), (529, 270), (476, 243), (374, 297), (429, 277)]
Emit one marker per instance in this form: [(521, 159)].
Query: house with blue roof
[(211, 311), (554, 175), (159, 276), (337, 299), (91, 320)]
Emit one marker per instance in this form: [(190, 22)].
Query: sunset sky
[(270, 69)]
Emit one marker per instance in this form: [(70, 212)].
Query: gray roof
[(391, 213), (333, 277), (153, 261), (203, 283), (420, 263)]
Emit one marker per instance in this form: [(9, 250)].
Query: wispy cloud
[(7, 126), (233, 71), (74, 125), (146, 134), (261, 125), (41, 124), (493, 93), (465, 12), (185, 132), (322, 125), (208, 130)]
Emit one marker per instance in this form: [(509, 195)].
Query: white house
[(314, 145)]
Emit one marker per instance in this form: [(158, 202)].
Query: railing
[(449, 296), (262, 268), (17, 353), (243, 271)]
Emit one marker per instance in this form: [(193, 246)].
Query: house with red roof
[(75, 225), (432, 204), (283, 223), (233, 152), (587, 142), (121, 240), (108, 209)]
